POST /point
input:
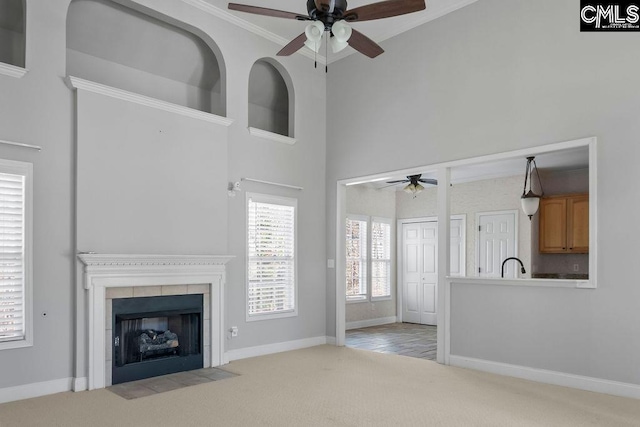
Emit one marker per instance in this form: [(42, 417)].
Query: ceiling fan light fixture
[(341, 31), (337, 45), (314, 46), (314, 31), (419, 188), (410, 189)]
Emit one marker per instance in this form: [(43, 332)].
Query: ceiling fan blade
[(364, 44), (387, 186), (398, 181), (293, 46), (429, 181), (384, 9), (267, 12)]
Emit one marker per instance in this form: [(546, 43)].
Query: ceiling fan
[(332, 16), (414, 181)]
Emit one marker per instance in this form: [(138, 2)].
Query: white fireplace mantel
[(103, 271)]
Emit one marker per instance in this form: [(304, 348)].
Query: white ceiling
[(378, 31), (557, 161)]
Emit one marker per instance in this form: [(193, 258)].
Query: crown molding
[(78, 83), (12, 70), (271, 136), (251, 27)]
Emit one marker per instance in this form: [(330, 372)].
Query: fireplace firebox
[(155, 336)]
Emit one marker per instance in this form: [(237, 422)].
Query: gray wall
[(12, 36), (362, 200), (11, 47), (498, 76), (40, 109)]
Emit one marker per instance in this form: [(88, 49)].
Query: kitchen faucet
[(517, 259)]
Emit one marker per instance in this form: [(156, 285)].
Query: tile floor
[(149, 386), (407, 339)]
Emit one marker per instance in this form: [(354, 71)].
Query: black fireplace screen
[(156, 336)]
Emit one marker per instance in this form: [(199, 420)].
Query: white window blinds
[(271, 255), (380, 258), (12, 259), (356, 258)]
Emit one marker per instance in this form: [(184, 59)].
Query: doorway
[(418, 272), (497, 240)]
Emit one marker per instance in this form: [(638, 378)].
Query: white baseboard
[(371, 322), (597, 385), (261, 350), (331, 340), (27, 391), (80, 384)]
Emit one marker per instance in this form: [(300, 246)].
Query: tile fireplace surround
[(144, 275)]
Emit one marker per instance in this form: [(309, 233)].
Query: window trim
[(26, 170), (276, 200)]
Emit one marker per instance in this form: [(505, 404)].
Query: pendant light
[(529, 200)]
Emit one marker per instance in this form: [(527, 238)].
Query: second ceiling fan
[(334, 17)]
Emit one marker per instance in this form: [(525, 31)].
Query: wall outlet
[(576, 267), (234, 331)]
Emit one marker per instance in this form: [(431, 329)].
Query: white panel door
[(420, 268), (458, 248), (411, 268), (497, 234), (429, 276)]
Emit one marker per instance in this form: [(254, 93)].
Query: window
[(368, 248), (380, 258), (356, 258), (271, 275), (15, 260)]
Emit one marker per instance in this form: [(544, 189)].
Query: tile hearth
[(151, 386)]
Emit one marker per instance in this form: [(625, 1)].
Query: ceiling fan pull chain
[(326, 54)]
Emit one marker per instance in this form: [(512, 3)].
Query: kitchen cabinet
[(564, 224)]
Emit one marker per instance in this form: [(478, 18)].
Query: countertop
[(567, 276)]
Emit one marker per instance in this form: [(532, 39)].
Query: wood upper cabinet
[(564, 224)]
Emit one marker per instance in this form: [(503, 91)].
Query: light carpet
[(336, 386)]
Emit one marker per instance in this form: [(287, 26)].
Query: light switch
[(331, 263)]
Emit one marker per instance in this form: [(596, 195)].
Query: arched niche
[(144, 52), (12, 32), (271, 98)]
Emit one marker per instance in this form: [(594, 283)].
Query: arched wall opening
[(271, 98), (117, 46), (13, 32)]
